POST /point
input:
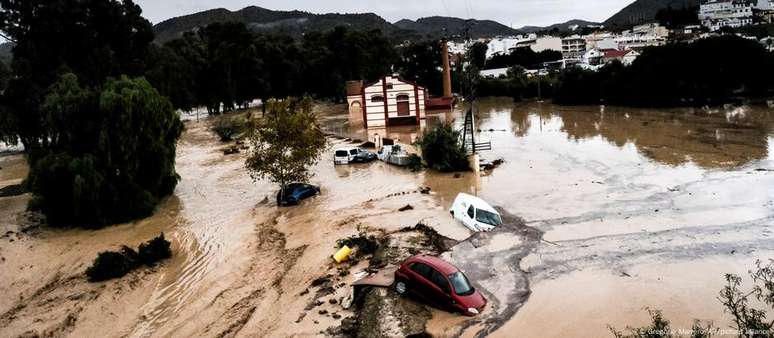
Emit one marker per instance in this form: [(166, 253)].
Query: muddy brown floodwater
[(610, 210)]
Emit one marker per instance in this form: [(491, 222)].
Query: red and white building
[(388, 101)]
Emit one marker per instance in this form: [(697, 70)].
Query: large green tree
[(421, 62), (115, 163), (286, 142), (93, 39)]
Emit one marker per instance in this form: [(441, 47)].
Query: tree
[(93, 39), (660, 328), (5, 75), (111, 152), (442, 149), (421, 62), (477, 54), (285, 143)]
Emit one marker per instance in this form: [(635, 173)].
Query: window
[(460, 284), (470, 212), (377, 98), (487, 217), (422, 269), (388, 85), (402, 97), (341, 153), (353, 152), (439, 280)]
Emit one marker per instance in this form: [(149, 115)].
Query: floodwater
[(638, 208), (619, 209)]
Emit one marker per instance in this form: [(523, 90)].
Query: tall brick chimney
[(447, 89)]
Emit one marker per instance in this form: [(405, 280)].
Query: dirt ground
[(608, 211), (241, 266)]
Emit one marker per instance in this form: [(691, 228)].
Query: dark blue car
[(295, 192)]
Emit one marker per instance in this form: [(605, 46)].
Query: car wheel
[(400, 287)]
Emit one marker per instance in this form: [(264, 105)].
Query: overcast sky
[(514, 13)]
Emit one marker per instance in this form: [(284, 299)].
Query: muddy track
[(270, 249), (492, 261), (60, 301)]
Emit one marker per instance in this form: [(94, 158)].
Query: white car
[(474, 213), (352, 155)]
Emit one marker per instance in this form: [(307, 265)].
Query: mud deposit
[(609, 210)]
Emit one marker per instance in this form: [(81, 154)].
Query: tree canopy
[(115, 163), (93, 39), (230, 65), (285, 143), (707, 71)]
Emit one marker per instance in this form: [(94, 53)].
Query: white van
[(352, 155), (474, 213)]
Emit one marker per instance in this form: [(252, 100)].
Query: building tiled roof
[(615, 53)]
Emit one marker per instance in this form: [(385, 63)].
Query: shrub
[(154, 250), (111, 264), (442, 150), (365, 244), (228, 128), (748, 309), (115, 264), (415, 163)]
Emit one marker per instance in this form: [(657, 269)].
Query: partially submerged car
[(439, 283), (352, 155), (474, 213), (295, 192), (394, 154)]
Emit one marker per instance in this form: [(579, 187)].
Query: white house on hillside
[(573, 47), (717, 14)]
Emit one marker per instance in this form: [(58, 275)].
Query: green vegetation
[(678, 17), (285, 143), (100, 140), (229, 128), (660, 328), (759, 31), (110, 152), (748, 321), (415, 163), (228, 65), (442, 150), (516, 85), (421, 62), (705, 72), (115, 264), (297, 23)]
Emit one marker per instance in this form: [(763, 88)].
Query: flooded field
[(613, 210)]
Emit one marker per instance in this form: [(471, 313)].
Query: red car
[(439, 283)]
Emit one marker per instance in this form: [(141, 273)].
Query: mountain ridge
[(644, 11)]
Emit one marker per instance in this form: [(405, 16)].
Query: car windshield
[(341, 153), (487, 217), (460, 284)]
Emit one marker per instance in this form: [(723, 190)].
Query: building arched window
[(377, 98)]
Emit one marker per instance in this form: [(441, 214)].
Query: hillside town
[(601, 46)]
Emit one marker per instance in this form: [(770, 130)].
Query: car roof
[(475, 201), (441, 265), (346, 148)]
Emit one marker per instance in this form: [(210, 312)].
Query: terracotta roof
[(616, 53)]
